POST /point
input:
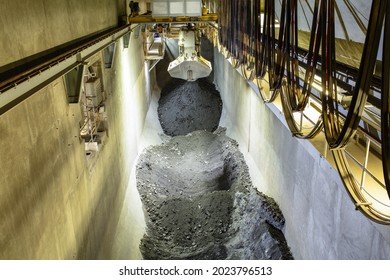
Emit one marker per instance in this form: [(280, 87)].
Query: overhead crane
[(181, 20)]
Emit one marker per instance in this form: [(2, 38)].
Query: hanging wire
[(251, 40)]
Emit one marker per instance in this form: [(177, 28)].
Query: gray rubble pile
[(200, 203)]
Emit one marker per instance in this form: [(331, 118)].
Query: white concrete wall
[(321, 221)]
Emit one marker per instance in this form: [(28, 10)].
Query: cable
[(385, 108)]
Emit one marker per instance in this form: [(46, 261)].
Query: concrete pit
[(198, 198)]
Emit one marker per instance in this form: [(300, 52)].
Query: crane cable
[(385, 106), (294, 98), (339, 133)]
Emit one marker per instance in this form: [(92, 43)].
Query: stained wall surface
[(321, 221), (31, 27), (54, 204)]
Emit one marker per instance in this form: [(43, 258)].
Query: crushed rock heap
[(189, 106), (200, 203)]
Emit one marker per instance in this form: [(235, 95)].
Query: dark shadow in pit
[(224, 183)]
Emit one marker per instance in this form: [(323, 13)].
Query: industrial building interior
[(189, 129)]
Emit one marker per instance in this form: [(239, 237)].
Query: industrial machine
[(189, 65), (189, 15)]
